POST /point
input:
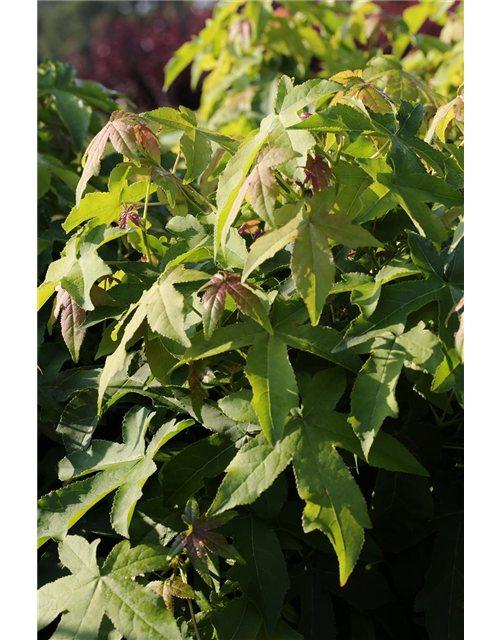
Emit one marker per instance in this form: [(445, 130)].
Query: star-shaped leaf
[(95, 590), (122, 467)]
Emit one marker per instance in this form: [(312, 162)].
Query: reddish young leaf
[(72, 317), (147, 142), (318, 172), (120, 132), (213, 302)]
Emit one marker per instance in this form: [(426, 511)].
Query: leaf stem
[(144, 222), (190, 605), (340, 145), (191, 611), (191, 307), (381, 150), (174, 168)]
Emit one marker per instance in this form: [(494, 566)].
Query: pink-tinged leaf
[(213, 302), (247, 301), (216, 543), (261, 185), (199, 537), (72, 317), (147, 142), (318, 172), (119, 131)]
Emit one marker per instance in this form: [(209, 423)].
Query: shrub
[(251, 365)]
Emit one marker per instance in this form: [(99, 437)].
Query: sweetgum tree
[(251, 366)]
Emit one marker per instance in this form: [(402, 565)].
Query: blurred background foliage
[(125, 44)]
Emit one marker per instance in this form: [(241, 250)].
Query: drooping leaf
[(312, 267), (197, 151), (273, 382), (239, 618), (373, 396), (119, 131), (244, 296), (263, 578), (72, 317), (334, 503)]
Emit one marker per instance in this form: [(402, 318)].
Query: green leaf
[(197, 150), (263, 578), (373, 396), (234, 336), (322, 342), (231, 181), (183, 475), (339, 228), (116, 361), (425, 256), (270, 243), (396, 302), (76, 277), (79, 420), (91, 591), (334, 503), (338, 119), (238, 619), (385, 453), (125, 467), (273, 382), (312, 267), (74, 113), (43, 176), (238, 406), (253, 470), (164, 307)]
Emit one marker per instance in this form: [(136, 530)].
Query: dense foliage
[(251, 337)]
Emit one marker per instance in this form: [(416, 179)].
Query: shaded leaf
[(273, 382)]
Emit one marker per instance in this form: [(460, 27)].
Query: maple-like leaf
[(199, 537), (94, 590), (243, 296), (120, 132), (110, 466), (318, 172)]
